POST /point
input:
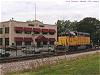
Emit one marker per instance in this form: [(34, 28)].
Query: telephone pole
[(35, 11)]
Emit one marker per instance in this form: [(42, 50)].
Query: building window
[(41, 25), (51, 33), (44, 33), (30, 24), (44, 43), (6, 41), (51, 43), (1, 30), (27, 42), (19, 32), (27, 32), (36, 32), (18, 43), (6, 29), (39, 44), (1, 41)]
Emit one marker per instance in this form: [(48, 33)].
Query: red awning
[(18, 38), (19, 28), (27, 29), (36, 29), (45, 30), (52, 39), (28, 39), (52, 30), (41, 38)]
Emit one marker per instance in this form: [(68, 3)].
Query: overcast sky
[(48, 11)]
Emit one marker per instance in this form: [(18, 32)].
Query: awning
[(18, 38), (52, 39), (52, 30), (28, 29), (28, 39), (45, 30), (36, 29), (19, 28), (41, 38)]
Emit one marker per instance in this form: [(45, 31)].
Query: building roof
[(31, 22)]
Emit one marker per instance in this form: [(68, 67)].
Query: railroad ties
[(38, 56)]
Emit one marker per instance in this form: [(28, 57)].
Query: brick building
[(27, 33)]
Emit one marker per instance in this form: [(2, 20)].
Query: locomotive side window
[(83, 34)]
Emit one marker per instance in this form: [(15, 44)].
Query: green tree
[(90, 25), (62, 26)]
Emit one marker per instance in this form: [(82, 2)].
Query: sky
[(48, 11)]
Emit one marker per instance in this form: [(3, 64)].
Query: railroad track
[(37, 56)]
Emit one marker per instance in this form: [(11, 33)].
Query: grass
[(86, 65)]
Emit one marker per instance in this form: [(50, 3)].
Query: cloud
[(48, 11)]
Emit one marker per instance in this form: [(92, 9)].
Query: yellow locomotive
[(74, 40)]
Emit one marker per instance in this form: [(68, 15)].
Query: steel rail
[(38, 56)]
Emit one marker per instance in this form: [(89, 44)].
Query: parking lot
[(28, 51)]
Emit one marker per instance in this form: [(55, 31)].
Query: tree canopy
[(63, 26), (88, 25)]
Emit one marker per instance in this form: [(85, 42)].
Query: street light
[(4, 37), (33, 40)]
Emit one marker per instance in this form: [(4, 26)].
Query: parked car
[(51, 49), (32, 50), (4, 53), (45, 49), (28, 50)]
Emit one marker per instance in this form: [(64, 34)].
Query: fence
[(26, 50)]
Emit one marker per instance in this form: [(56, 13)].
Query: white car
[(3, 53)]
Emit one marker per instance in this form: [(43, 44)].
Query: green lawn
[(88, 65)]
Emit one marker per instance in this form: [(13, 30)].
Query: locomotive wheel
[(73, 48), (88, 46)]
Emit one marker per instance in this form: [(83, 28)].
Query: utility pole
[(35, 11), (4, 36)]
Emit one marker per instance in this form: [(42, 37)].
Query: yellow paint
[(73, 41)]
